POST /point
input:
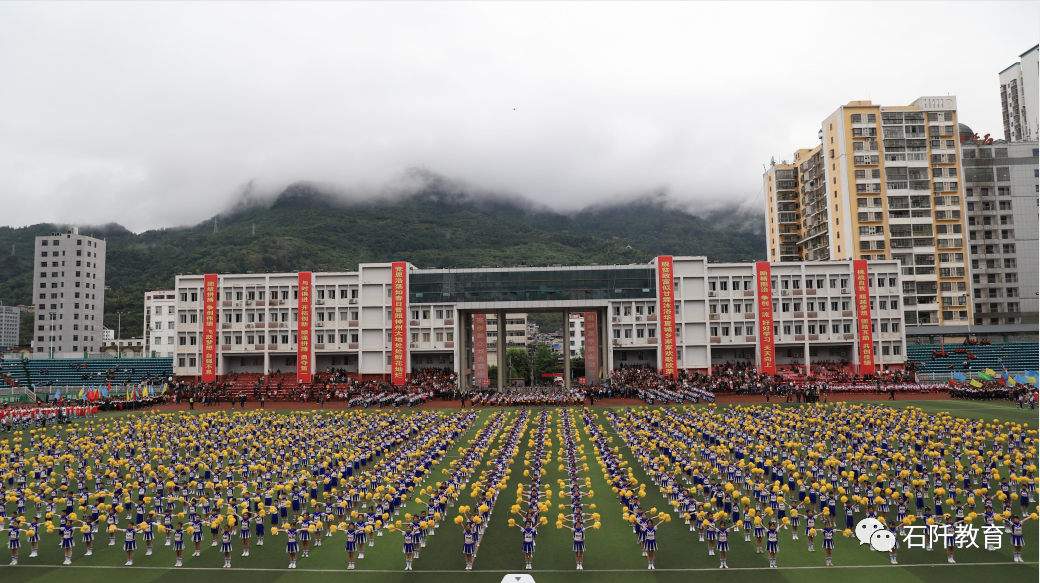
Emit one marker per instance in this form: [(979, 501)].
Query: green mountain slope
[(307, 229)]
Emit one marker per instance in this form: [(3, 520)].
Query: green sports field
[(613, 553)]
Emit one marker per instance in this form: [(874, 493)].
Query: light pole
[(119, 334)]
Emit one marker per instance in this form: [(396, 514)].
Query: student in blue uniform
[(410, 540), (196, 536), (772, 543), (351, 545), (14, 540), (292, 547), (650, 542), (578, 532), (1018, 540), (722, 541), (527, 533), (129, 542), (828, 532), (66, 531), (469, 543), (225, 545), (178, 543), (32, 536)]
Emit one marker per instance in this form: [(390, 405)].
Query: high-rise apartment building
[(160, 321), (1019, 92), (10, 317), (1001, 182), (69, 292), (884, 183)]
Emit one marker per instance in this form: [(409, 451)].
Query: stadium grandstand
[(87, 372), (940, 359)]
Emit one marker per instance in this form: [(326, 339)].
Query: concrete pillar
[(566, 348), (501, 350), (604, 342)]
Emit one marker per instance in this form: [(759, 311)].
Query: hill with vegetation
[(309, 228)]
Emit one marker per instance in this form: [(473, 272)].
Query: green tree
[(519, 364), (578, 364), (544, 361), (493, 375)]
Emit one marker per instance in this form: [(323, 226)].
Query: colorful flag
[(990, 372), (975, 383), (985, 376), (1022, 379), (960, 377), (81, 390), (164, 387)]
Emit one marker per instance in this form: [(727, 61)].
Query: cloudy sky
[(157, 115)]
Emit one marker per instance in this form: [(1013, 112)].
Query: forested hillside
[(305, 228)]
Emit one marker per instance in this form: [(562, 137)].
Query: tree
[(519, 365), (544, 361), (493, 375), (578, 364)]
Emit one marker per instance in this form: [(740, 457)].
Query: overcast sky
[(155, 115)]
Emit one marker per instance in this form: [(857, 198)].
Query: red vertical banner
[(304, 346), (866, 335), (766, 352), (209, 328), (666, 300), (399, 326), (591, 346), (480, 363)]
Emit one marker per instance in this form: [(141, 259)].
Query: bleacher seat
[(1014, 356), (71, 373)]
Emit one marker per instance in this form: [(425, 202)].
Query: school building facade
[(386, 319)]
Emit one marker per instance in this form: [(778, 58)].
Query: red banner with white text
[(591, 346), (666, 301), (480, 352), (209, 328), (304, 346), (766, 352), (866, 334), (399, 326)]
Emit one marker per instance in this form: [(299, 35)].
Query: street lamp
[(119, 334)]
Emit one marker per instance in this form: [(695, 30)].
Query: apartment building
[(516, 335), (1001, 186), (386, 320), (884, 183), (10, 317), (160, 322), (1020, 91), (69, 292)]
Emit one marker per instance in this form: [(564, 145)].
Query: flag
[(960, 377), (990, 372), (57, 394), (128, 394), (144, 391), (985, 376), (164, 387), (1021, 379), (975, 383), (80, 396), (1008, 380), (104, 392)]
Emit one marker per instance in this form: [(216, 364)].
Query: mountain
[(308, 227)]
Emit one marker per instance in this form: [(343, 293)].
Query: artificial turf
[(612, 551)]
